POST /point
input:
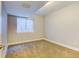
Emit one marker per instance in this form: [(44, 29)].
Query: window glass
[(24, 25)]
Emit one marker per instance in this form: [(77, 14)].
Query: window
[(24, 25)]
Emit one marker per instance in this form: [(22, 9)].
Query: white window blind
[(24, 25)]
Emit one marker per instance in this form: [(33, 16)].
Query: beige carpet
[(40, 49)]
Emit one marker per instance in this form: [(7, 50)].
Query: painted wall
[(63, 26), (4, 29), (14, 37), (0, 23), (0, 29)]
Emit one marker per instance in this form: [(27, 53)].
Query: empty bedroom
[(39, 29)]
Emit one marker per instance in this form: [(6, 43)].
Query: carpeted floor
[(40, 49)]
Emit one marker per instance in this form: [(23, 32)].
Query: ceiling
[(28, 8), (53, 6), (23, 8)]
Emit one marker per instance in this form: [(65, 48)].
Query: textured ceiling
[(19, 9)]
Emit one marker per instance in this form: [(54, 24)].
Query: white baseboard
[(61, 44), (14, 43), (67, 46)]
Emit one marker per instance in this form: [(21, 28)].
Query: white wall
[(4, 29), (0, 23), (0, 30), (63, 26), (14, 37)]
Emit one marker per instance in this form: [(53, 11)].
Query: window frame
[(26, 31)]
